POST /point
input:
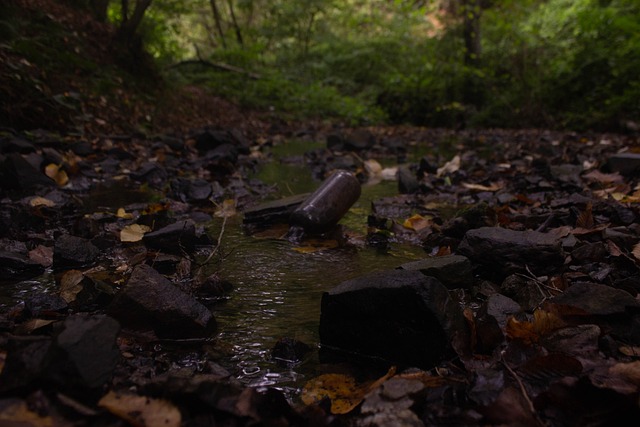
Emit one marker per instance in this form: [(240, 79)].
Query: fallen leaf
[(316, 245), (54, 172), (133, 232), (16, 412), (416, 222), (121, 213), (636, 251), (227, 209), (71, 285), (342, 390), (450, 167), (41, 201), (632, 351), (373, 168), (141, 411), (542, 324), (603, 178), (492, 188), (585, 220), (631, 371)]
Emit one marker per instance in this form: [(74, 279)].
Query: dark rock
[(590, 252), (176, 238), (16, 173), (210, 139), (45, 305), (73, 252), (407, 180), (289, 350), (151, 173), (18, 266), (335, 142), (149, 301), (501, 251), (186, 190), (358, 140), (25, 362), (399, 316), (16, 145), (453, 271), (84, 353), (625, 163)]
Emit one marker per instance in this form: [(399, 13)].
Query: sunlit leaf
[(121, 213), (133, 232), (141, 411), (416, 222), (226, 209), (16, 412), (342, 390), (451, 166), (54, 172), (41, 201)]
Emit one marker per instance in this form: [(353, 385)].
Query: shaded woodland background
[(85, 64)]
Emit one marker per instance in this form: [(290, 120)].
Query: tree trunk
[(472, 10), (131, 23), (218, 19), (99, 9), (235, 23)]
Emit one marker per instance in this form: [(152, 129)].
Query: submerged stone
[(399, 316)]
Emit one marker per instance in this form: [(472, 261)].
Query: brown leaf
[(603, 178), (54, 172), (636, 251), (71, 285), (416, 222), (16, 412), (342, 390), (542, 324), (141, 411), (585, 220), (133, 232)]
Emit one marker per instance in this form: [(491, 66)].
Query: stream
[(278, 289)]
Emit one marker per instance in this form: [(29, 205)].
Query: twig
[(523, 390), (217, 246)]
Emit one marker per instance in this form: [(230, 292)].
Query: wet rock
[(16, 173), (453, 271), (25, 362), (45, 305), (73, 252), (177, 238), (625, 163), (190, 191), (18, 266), (270, 213), (149, 301), (359, 139), (407, 180), (210, 139), (400, 316), (501, 251), (16, 145), (289, 351), (84, 353), (151, 173)]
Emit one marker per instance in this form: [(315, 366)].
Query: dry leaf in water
[(133, 233), (416, 222), (71, 285), (141, 411), (227, 209), (342, 390)]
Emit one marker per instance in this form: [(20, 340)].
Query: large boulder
[(400, 316)]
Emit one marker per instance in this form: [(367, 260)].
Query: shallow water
[(277, 290)]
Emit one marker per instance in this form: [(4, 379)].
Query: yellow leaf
[(342, 390), (54, 172), (416, 222), (16, 412), (41, 201), (227, 209), (121, 213), (71, 285), (133, 232), (141, 411)]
